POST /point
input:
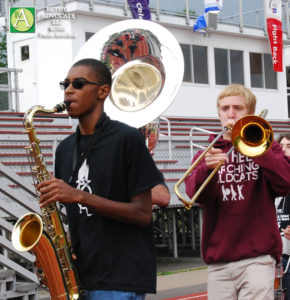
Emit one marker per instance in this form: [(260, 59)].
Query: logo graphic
[(84, 185), (22, 19)]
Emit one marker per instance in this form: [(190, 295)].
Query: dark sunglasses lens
[(78, 84), (64, 85)]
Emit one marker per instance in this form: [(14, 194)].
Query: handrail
[(169, 135), (191, 143), (11, 87), (9, 212)]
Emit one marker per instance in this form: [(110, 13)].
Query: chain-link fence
[(9, 89), (4, 101)]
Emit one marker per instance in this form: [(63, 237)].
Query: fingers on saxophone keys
[(42, 190), (44, 186)]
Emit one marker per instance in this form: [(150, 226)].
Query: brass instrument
[(45, 235), (147, 68), (251, 135)]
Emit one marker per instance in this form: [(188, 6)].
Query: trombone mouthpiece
[(263, 113)]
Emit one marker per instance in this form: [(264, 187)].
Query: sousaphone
[(147, 68)]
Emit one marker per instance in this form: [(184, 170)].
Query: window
[(195, 63), (187, 76), (200, 64), (221, 66), (256, 70), (270, 74), (88, 35), (24, 52), (228, 66), (262, 72), (237, 69)]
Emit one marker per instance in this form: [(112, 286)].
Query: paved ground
[(185, 277), (167, 264), (176, 277)]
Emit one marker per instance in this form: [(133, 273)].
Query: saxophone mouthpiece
[(67, 103), (61, 106)]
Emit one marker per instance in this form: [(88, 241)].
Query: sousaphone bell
[(147, 68)]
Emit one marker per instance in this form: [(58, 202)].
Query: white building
[(225, 54)]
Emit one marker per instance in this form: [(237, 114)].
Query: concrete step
[(10, 289)]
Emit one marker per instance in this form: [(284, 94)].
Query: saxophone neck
[(29, 115)]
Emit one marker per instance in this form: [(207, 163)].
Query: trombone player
[(241, 242)]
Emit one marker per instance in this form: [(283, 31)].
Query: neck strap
[(79, 160)]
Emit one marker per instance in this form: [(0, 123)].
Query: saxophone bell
[(27, 232)]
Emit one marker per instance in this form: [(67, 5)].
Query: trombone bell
[(252, 136)]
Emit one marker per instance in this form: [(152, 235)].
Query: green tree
[(192, 13), (3, 50)]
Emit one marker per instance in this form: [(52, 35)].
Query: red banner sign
[(275, 33)]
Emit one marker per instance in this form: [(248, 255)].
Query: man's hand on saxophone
[(56, 190)]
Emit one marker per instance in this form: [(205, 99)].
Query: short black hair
[(101, 71)]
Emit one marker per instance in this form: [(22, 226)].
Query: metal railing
[(9, 89), (189, 10), (168, 135), (21, 262), (193, 143)]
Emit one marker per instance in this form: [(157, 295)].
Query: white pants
[(248, 279)]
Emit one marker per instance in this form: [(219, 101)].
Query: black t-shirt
[(283, 211), (111, 255)]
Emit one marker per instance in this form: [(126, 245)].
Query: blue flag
[(212, 5), (200, 23), (140, 9), (209, 6)]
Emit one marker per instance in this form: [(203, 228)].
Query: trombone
[(251, 135)]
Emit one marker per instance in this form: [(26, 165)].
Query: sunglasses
[(77, 83)]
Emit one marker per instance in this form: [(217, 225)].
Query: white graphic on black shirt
[(282, 215), (83, 185)]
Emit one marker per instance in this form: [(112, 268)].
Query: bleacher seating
[(172, 153), (10, 289)]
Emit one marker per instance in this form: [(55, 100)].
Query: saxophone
[(44, 235)]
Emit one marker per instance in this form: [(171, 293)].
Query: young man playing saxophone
[(106, 190)]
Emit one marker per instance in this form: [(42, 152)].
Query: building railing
[(189, 10)]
